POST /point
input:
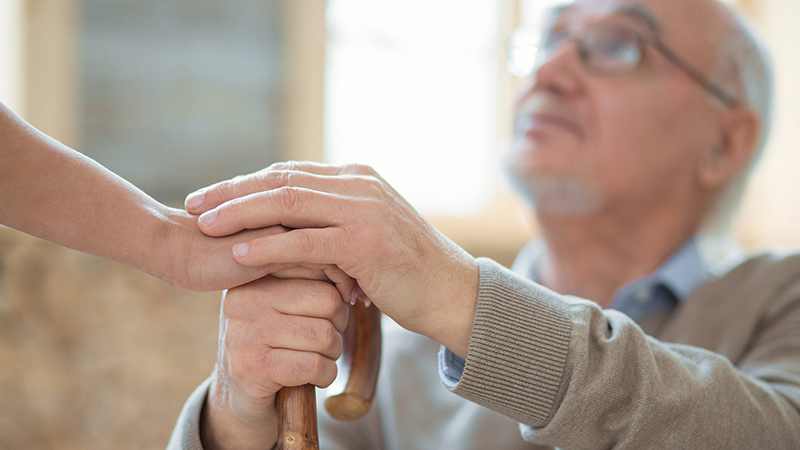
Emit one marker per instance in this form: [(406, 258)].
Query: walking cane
[(297, 406)]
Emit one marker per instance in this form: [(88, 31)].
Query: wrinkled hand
[(350, 217), (273, 333)]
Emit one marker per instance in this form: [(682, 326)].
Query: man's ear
[(739, 130)]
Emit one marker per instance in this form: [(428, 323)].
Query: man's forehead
[(596, 9)]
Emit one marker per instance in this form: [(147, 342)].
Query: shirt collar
[(682, 273)]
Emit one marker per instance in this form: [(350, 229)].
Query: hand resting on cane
[(274, 332)]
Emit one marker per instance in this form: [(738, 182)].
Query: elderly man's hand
[(273, 333), (350, 217)]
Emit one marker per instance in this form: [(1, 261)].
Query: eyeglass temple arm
[(696, 75)]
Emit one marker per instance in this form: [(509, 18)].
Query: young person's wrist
[(172, 250)]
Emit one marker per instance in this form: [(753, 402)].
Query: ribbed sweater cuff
[(518, 349)]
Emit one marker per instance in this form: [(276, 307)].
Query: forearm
[(582, 377), (58, 194)]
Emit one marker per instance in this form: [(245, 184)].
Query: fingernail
[(208, 217), (195, 199), (241, 250), (353, 298)]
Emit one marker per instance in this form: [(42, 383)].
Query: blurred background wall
[(174, 95)]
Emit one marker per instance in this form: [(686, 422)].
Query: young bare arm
[(53, 192)]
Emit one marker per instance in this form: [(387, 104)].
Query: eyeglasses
[(605, 50)]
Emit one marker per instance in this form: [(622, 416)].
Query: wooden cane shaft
[(297, 418), (362, 354), (297, 408)]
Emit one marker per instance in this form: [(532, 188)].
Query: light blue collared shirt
[(670, 285)]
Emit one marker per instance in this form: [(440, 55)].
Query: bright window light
[(412, 90), (11, 54)]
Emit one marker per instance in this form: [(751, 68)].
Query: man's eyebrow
[(641, 14)]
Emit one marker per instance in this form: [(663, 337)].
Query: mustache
[(545, 107)]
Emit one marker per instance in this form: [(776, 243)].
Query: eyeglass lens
[(605, 50)]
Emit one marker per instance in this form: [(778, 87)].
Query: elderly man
[(640, 124)]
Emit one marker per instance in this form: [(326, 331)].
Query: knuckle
[(261, 180), (280, 165), (224, 189), (284, 178), (278, 179), (333, 300), (362, 169), (375, 186), (301, 371), (328, 334), (285, 165), (368, 170), (287, 197), (328, 375), (244, 365), (316, 364), (305, 243), (306, 333), (336, 344)]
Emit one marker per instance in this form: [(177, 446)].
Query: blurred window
[(177, 95), (11, 54), (412, 88)]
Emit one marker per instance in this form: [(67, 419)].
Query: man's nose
[(561, 73)]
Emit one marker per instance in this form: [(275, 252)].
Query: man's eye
[(622, 51)]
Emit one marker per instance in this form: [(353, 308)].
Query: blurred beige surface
[(93, 354)]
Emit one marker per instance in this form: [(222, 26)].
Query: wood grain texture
[(297, 408), (297, 418)]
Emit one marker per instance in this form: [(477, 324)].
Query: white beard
[(556, 195)]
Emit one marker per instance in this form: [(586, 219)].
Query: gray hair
[(744, 69)]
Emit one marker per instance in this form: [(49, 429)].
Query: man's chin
[(555, 195)]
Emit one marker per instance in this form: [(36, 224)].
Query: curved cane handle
[(297, 408), (362, 354)]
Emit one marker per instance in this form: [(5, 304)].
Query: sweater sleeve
[(577, 376), (186, 435)]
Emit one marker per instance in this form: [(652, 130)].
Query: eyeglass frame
[(652, 39)]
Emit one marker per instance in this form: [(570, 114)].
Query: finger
[(263, 299), (311, 299), (306, 334), (292, 173), (302, 273), (293, 368), (288, 206), (344, 283), (301, 246), (280, 367)]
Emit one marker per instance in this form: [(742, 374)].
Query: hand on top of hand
[(348, 216)]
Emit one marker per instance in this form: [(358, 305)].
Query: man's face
[(585, 142)]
